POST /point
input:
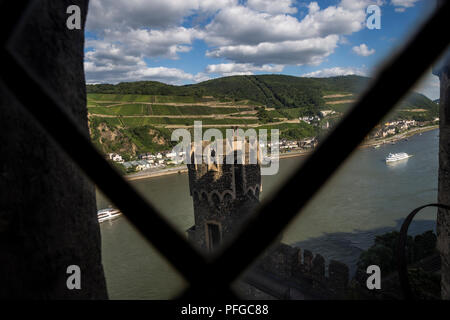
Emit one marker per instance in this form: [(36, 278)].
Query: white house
[(324, 113), (115, 157)]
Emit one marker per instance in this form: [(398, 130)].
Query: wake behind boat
[(393, 157), (108, 214)]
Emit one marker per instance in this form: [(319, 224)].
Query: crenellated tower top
[(225, 183)]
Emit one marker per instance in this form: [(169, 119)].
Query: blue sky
[(189, 41)]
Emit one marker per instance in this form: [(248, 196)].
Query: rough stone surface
[(318, 267), (338, 275), (281, 260), (443, 219), (225, 195), (307, 260), (48, 215)]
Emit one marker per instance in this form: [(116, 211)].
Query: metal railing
[(212, 278), (402, 259)]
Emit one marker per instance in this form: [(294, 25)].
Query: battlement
[(215, 180), (308, 271), (224, 192), (226, 151)]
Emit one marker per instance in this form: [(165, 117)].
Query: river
[(364, 198)]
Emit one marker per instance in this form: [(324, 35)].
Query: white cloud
[(429, 86), (270, 6), (104, 14), (168, 75), (119, 53), (363, 50), (337, 71), (404, 3), (252, 35), (151, 43), (243, 35), (232, 69), (110, 63), (110, 54), (241, 25), (129, 31), (310, 51), (401, 5), (118, 73), (343, 40)]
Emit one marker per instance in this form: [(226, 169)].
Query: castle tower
[(223, 196)]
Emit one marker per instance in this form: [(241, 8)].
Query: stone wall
[(225, 195), (443, 219), (303, 269), (48, 216)]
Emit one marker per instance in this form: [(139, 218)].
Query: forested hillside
[(135, 117), (270, 90)]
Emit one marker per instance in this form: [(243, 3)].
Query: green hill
[(273, 91), (136, 117)]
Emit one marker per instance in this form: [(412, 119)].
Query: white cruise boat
[(392, 157), (108, 214)]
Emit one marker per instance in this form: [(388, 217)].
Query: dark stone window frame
[(208, 236), (391, 84)]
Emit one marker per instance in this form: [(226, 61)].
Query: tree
[(264, 116)]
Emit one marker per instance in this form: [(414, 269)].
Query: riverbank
[(157, 173), (371, 143), (398, 137)]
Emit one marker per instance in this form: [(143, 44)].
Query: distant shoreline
[(182, 169), (164, 172)]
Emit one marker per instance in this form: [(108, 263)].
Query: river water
[(364, 198)]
